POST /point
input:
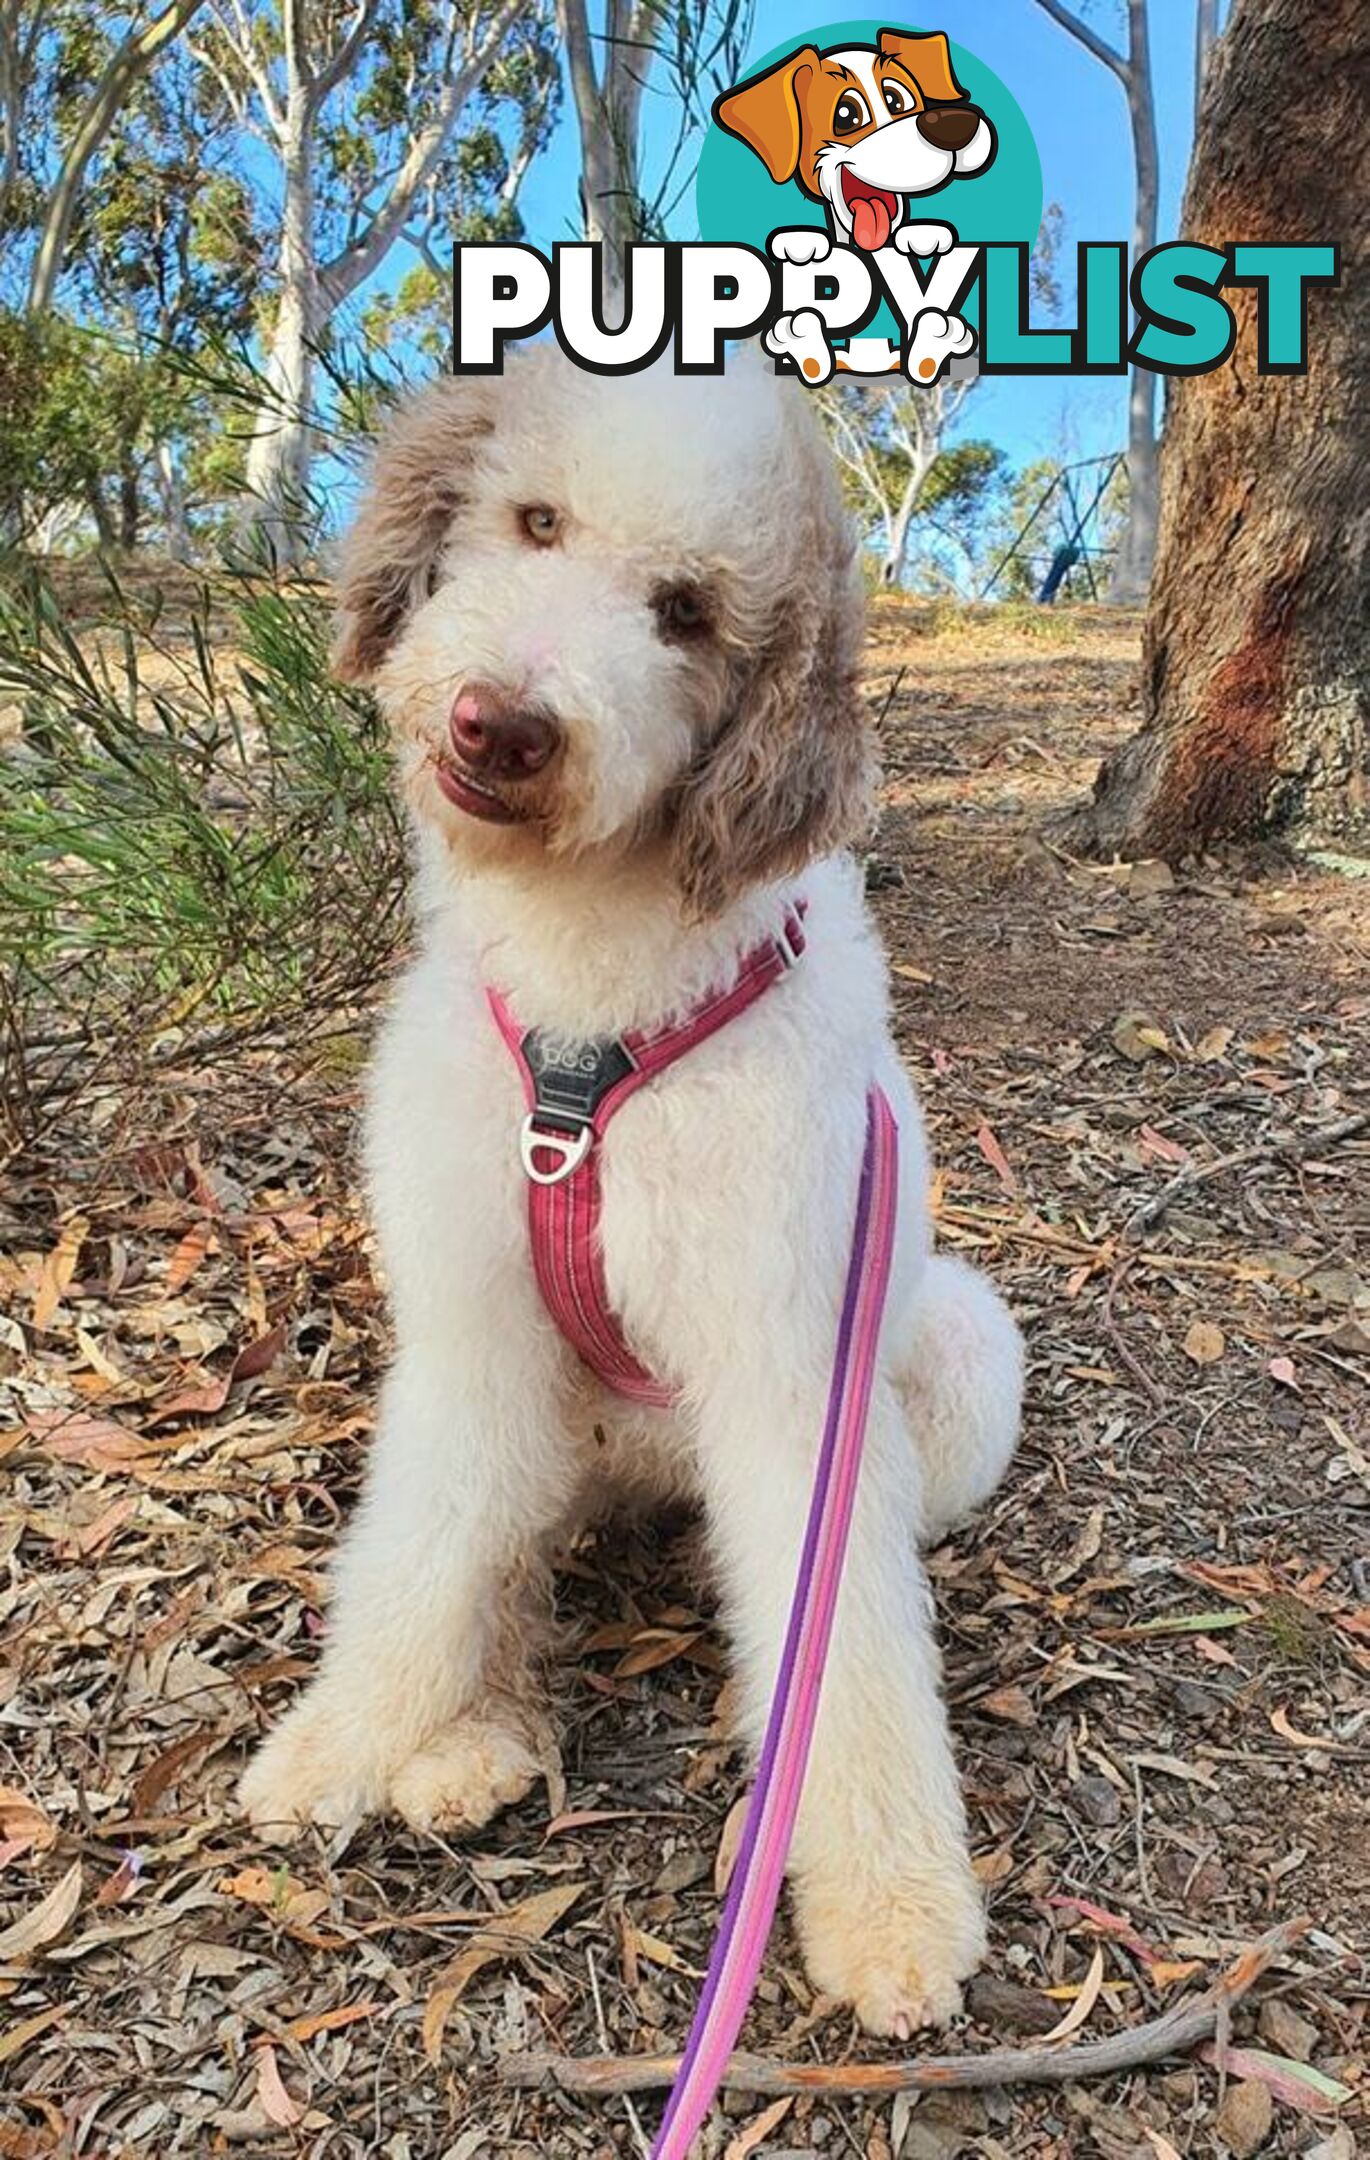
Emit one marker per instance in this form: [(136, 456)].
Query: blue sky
[(1077, 113)]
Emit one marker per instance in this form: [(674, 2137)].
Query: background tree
[(1256, 658), (128, 63), (1132, 66), (696, 48), (358, 107), (889, 443)]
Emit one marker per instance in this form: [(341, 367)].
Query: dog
[(861, 129), (615, 625)]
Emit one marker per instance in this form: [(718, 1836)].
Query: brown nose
[(948, 127), (506, 737)]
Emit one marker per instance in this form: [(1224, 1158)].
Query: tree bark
[(1256, 653)]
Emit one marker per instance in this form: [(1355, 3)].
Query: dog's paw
[(463, 1776), (801, 337), (897, 1953), (311, 1769), (924, 239), (936, 339), (801, 244)]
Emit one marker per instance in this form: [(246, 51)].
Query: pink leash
[(755, 1888)]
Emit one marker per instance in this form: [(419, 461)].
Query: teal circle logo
[(737, 199)]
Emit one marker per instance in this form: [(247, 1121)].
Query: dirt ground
[(1157, 1637)]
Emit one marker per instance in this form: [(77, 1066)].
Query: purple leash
[(755, 1890)]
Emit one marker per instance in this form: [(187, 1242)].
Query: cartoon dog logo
[(862, 129)]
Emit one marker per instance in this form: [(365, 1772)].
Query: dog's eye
[(897, 99), (681, 611), (850, 114), (541, 523)]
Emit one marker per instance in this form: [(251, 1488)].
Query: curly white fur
[(728, 1183)]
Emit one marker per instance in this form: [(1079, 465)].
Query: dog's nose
[(508, 738), (948, 127)]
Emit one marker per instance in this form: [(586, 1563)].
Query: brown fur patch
[(787, 776), (396, 540)]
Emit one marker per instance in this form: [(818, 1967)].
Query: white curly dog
[(615, 624)]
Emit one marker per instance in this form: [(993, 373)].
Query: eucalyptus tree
[(361, 108), (1255, 681)]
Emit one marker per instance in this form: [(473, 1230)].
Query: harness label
[(571, 1079)]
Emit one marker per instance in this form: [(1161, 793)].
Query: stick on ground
[(1174, 2033)]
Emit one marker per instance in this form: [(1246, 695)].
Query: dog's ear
[(765, 114), (928, 60), (787, 776), (416, 487)]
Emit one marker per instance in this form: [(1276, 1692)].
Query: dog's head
[(616, 614), (862, 127)]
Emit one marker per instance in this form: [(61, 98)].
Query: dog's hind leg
[(961, 1375)]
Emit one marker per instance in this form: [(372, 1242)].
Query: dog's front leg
[(417, 1704), (889, 1912)]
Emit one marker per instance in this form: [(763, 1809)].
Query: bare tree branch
[(1089, 38), (341, 277), (131, 61)]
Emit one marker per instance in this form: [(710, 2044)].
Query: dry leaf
[(1282, 1369), (23, 1823), (1298, 2084), (730, 1844), (1204, 1343), (1161, 2146), (1010, 1703), (996, 1158), (16, 2039), (58, 1270), (272, 2097), (308, 2028), (760, 2127), (187, 1257), (1137, 1037), (1279, 1720), (1214, 1045), (504, 1937), (1084, 2002), (51, 1917)]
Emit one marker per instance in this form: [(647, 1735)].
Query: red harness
[(572, 1090)]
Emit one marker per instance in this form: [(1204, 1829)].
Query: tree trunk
[(892, 569), (1137, 550), (171, 488), (280, 453), (608, 102), (1256, 656)]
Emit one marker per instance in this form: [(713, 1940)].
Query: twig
[(1174, 2033), (1134, 1365), (1296, 1147)]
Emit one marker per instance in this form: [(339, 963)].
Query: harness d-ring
[(571, 1150)]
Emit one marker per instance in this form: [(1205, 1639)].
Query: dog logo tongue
[(870, 227)]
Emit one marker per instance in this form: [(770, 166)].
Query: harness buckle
[(790, 953), (571, 1149)]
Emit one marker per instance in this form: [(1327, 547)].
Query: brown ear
[(764, 113), (787, 778), (928, 60), (417, 483)]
